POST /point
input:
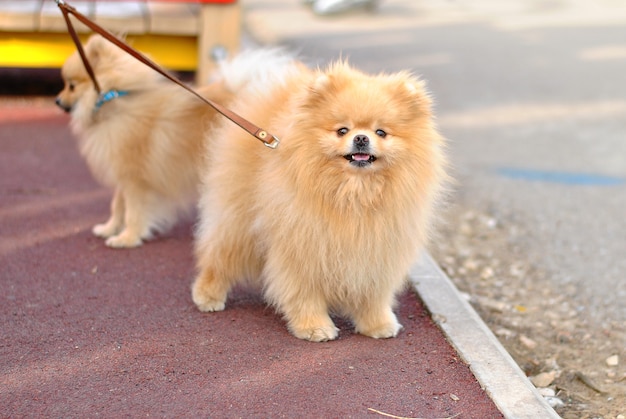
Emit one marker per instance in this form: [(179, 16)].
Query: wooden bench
[(181, 35)]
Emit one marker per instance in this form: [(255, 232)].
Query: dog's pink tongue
[(360, 157)]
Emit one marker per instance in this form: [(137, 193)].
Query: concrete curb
[(493, 367)]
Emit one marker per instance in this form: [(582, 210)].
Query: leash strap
[(79, 46), (268, 139)]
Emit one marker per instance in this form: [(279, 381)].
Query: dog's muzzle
[(361, 155), (63, 106)]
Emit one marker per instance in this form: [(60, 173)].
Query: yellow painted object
[(49, 50), (179, 35)]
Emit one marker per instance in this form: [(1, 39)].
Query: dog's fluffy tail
[(255, 67)]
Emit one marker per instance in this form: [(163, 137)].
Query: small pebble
[(470, 264), (546, 391), (612, 361), (491, 304), (554, 402), (543, 379), (527, 342), (505, 333), (487, 273)]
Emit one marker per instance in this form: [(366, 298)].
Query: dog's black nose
[(361, 141), (61, 105)]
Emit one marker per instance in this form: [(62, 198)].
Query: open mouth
[(360, 159)]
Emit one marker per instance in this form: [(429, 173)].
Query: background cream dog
[(146, 140)]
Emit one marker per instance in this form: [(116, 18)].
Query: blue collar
[(108, 96)]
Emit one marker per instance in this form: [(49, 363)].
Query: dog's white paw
[(383, 331), (124, 240), (205, 302), (104, 230), (316, 334), (210, 306)]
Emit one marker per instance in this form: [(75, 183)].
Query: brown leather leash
[(260, 134)]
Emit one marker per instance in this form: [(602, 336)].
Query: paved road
[(533, 98)]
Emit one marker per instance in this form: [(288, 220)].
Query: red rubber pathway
[(89, 331)]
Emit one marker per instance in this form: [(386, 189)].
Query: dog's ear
[(415, 89), (319, 90), (408, 83), (94, 49), (336, 75), (322, 83), (330, 80)]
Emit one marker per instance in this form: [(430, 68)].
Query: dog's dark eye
[(71, 86), (381, 133), (342, 131)]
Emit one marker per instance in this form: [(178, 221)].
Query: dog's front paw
[(382, 331), (321, 333), (104, 230), (124, 240), (205, 300)]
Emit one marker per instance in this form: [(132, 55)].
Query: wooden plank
[(123, 17), (118, 16), (220, 27), (180, 34), (174, 18), (20, 15), (51, 18)]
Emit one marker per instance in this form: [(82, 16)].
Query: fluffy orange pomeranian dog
[(143, 136), (330, 221)]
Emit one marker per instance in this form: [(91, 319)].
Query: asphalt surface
[(91, 331)]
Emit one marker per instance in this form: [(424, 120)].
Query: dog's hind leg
[(225, 254)]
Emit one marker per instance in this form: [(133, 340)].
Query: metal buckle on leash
[(262, 135), (275, 142)]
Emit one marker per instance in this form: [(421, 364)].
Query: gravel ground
[(576, 365)]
